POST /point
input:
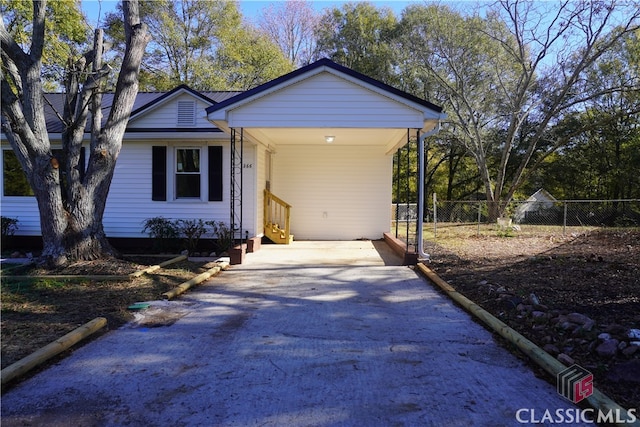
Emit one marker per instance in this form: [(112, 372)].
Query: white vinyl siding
[(172, 114), (129, 203), (325, 100), (337, 193)]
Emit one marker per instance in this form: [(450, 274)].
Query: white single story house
[(314, 147)]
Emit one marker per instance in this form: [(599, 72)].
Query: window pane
[(188, 160), (15, 180), (187, 186)]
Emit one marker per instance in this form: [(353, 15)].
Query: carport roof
[(324, 62)]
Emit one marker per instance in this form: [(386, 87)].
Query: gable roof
[(207, 97), (324, 62), (144, 102)]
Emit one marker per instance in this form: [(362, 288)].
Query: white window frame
[(172, 159)]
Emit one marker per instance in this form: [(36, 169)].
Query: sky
[(250, 9)]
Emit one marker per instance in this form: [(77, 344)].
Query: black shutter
[(159, 173), (215, 174)]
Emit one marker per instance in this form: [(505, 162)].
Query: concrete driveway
[(312, 334)]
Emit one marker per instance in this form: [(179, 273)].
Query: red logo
[(575, 383)]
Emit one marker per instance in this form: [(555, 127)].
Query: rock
[(534, 299), (589, 325), (483, 282), (539, 316), (565, 325), (185, 252), (580, 330), (604, 336), (212, 254), (578, 318), (628, 371), (630, 350), (551, 349), (566, 359), (634, 333), (513, 302), (608, 348)]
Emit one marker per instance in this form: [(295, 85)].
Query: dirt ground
[(531, 283), (37, 312), (534, 283)]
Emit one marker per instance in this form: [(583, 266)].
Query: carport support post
[(237, 252), (397, 189)]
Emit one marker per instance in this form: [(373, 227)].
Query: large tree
[(291, 25), (524, 64), (71, 209), (203, 44), (601, 160), (65, 34), (359, 36)]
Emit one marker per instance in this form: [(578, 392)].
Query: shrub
[(163, 232), (223, 236), (9, 226), (191, 230)]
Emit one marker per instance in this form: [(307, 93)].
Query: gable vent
[(186, 113)]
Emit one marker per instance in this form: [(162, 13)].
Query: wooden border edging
[(597, 400), (157, 266), (47, 352), (410, 257), (198, 279)]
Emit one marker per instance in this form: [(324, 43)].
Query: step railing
[(277, 215)]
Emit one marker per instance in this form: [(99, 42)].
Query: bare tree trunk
[(71, 225)]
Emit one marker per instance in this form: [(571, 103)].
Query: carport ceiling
[(312, 136)]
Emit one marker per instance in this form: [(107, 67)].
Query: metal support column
[(237, 143), (398, 188), (408, 188)]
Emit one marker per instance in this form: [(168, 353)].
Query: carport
[(322, 140)]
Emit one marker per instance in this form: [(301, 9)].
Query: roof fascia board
[(218, 134)]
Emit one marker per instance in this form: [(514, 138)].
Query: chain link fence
[(529, 217)]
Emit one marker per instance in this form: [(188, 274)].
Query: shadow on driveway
[(317, 334)]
